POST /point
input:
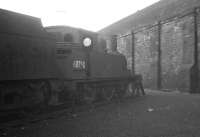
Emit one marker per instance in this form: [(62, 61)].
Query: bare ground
[(158, 114)]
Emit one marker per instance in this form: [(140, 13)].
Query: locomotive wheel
[(108, 93), (43, 91), (123, 90), (129, 90), (119, 94), (89, 95), (46, 90)]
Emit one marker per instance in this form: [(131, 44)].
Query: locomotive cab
[(72, 47)]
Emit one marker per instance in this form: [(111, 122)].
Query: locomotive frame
[(39, 68)]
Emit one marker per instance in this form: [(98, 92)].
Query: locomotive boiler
[(56, 65)]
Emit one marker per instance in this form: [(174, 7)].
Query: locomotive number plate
[(79, 65)]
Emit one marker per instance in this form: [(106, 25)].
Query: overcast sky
[(87, 14)]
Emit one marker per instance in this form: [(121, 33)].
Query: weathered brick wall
[(146, 56), (198, 21), (177, 53), (177, 58)]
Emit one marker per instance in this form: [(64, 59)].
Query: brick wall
[(177, 46), (177, 51), (146, 56)]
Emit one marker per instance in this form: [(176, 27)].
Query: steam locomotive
[(56, 65)]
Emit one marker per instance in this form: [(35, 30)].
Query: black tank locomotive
[(55, 65)]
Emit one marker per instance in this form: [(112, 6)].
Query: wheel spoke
[(108, 93), (89, 94)]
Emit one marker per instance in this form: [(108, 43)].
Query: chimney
[(112, 44)]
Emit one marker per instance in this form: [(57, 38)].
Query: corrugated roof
[(158, 11)]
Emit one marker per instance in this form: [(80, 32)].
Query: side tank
[(75, 60)]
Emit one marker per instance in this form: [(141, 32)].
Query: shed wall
[(172, 45)]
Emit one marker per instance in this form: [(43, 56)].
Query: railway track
[(20, 118)]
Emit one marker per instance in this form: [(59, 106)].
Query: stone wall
[(198, 38), (177, 51), (146, 56), (177, 46)]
